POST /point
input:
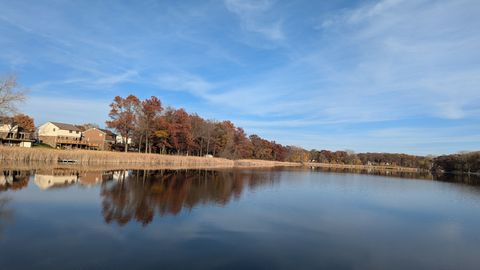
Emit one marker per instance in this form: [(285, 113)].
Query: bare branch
[(10, 95)]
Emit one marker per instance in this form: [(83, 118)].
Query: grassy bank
[(363, 167), (40, 156)]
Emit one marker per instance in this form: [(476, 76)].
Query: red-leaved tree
[(123, 116)]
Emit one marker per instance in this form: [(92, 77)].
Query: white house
[(58, 134), (44, 181), (12, 135), (121, 140)]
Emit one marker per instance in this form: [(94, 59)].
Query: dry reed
[(14, 156)]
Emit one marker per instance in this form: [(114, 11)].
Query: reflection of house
[(46, 181), (102, 138), (6, 179), (14, 136), (92, 178), (13, 180)]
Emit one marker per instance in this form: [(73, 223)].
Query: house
[(46, 181), (13, 135), (121, 140), (61, 135), (103, 139)]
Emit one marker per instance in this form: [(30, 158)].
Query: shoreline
[(37, 158), (11, 157), (364, 167)]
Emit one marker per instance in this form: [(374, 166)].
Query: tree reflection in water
[(6, 214), (139, 195), (142, 194), (13, 180)]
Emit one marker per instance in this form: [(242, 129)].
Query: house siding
[(49, 129), (98, 137)]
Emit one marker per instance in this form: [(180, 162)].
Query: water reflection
[(468, 179), (236, 219), (140, 195), (6, 214), (14, 180)]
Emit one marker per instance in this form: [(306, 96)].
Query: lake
[(237, 219)]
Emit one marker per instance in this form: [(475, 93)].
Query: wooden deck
[(62, 142)]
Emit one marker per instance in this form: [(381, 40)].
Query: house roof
[(81, 128), (108, 132), (66, 126), (105, 131)]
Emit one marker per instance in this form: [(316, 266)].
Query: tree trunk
[(146, 142), (208, 145), (140, 144)]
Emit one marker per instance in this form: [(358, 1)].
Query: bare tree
[(10, 95)]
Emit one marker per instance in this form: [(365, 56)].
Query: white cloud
[(183, 81), (254, 18), (111, 80), (390, 60)]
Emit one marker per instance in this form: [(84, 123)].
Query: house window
[(77, 132), (70, 131), (53, 129)]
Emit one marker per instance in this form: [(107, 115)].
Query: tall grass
[(14, 156)]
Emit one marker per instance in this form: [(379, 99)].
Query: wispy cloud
[(182, 81), (254, 18), (111, 80), (336, 73)]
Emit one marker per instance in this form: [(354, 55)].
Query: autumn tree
[(123, 115), (179, 129), (10, 95), (197, 133), (19, 123), (261, 149), (297, 154), (202, 132), (24, 122), (149, 114), (242, 145), (225, 139)]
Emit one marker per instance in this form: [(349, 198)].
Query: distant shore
[(363, 167)]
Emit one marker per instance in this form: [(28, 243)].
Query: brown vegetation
[(371, 159), (9, 155), (458, 163)]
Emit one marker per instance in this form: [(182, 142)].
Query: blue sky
[(387, 75)]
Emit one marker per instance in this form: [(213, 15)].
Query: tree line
[(376, 159), (467, 162), (154, 129)]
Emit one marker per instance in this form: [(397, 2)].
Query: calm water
[(240, 219)]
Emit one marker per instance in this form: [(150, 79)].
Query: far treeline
[(154, 129)]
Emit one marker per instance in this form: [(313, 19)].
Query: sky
[(378, 76)]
